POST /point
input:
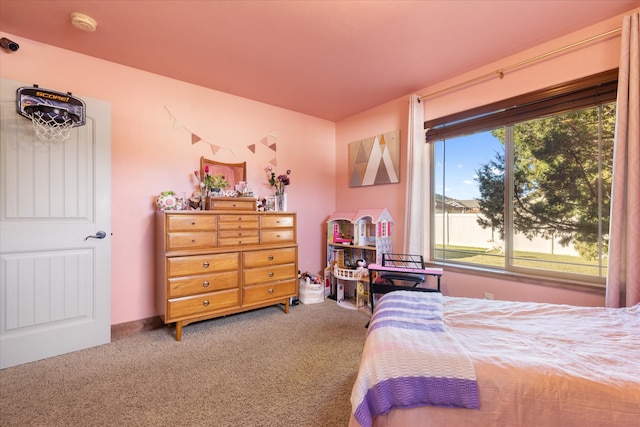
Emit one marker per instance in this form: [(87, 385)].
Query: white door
[(55, 286)]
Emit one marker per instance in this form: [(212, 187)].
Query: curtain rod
[(500, 72)]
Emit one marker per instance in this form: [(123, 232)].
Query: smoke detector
[(83, 22)]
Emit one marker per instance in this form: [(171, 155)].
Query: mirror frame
[(215, 168)]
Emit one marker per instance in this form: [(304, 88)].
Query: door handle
[(98, 235)]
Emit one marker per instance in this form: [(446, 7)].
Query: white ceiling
[(328, 59)]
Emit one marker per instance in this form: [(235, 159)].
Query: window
[(524, 185)]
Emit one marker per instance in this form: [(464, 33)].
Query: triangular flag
[(273, 146), (265, 141), (195, 138), (252, 148), (214, 149), (274, 162)]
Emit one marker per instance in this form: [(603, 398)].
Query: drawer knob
[(271, 274), (193, 223), (270, 258), (270, 290), (205, 303), (205, 283), (234, 205), (193, 240), (205, 264)]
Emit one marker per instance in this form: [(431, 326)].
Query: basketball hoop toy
[(52, 114), (51, 124)]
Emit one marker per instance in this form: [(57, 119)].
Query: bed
[(432, 360)]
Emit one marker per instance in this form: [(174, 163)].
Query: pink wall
[(588, 59), (152, 152), (385, 118)]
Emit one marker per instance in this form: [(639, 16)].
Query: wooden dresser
[(219, 262)]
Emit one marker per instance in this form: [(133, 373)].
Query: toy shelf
[(347, 245), (352, 236)]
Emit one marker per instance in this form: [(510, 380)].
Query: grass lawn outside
[(537, 260)]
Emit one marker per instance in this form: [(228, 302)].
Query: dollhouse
[(353, 237)]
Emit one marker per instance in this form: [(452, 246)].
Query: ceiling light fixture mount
[(83, 22)]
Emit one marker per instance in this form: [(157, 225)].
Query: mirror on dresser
[(232, 172)]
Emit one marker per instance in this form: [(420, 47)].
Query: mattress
[(540, 365)]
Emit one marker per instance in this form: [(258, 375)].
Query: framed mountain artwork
[(375, 160)]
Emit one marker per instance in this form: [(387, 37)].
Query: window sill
[(593, 288)]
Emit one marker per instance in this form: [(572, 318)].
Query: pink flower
[(280, 181)]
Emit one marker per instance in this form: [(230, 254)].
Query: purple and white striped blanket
[(410, 359)]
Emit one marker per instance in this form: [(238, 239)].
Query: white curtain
[(414, 220), (623, 280)]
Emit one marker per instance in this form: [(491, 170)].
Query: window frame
[(581, 93)]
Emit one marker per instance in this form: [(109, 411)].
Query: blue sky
[(464, 155)]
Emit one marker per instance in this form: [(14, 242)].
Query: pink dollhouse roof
[(376, 215), (348, 216)]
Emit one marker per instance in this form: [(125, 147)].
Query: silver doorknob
[(98, 235)]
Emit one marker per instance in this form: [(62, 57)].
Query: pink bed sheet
[(541, 365)]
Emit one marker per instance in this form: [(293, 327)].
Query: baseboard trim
[(123, 329)]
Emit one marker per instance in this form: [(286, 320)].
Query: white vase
[(281, 203)]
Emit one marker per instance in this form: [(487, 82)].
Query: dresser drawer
[(178, 222), (277, 221), (277, 236), (202, 264), (233, 203), (193, 285), (237, 233), (267, 257), (259, 293), (273, 273), (202, 304), (198, 240), (247, 237), (238, 222)]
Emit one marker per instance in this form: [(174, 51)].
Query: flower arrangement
[(280, 181), (217, 181), (210, 182)]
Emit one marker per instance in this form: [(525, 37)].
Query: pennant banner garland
[(268, 141)]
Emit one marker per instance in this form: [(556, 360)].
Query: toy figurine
[(362, 267)]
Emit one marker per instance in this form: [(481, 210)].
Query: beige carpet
[(260, 368)]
